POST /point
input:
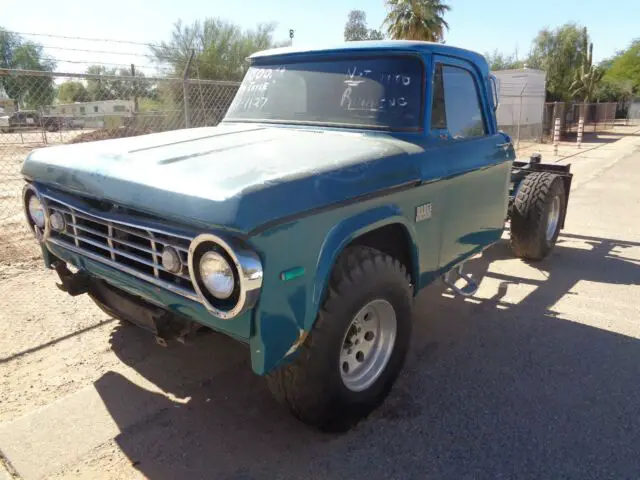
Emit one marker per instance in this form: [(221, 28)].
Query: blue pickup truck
[(340, 183)]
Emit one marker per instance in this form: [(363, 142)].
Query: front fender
[(342, 235), (287, 310)]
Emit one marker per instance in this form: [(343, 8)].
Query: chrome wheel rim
[(553, 218), (367, 345)]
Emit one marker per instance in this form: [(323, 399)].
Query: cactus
[(588, 75)]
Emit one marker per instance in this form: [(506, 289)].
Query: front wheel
[(537, 215), (349, 362)]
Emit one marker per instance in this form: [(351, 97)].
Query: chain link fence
[(521, 119), (106, 107), (633, 112), (598, 117), (520, 110)]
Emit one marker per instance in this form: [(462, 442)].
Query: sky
[(481, 25)]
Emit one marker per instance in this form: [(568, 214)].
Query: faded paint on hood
[(237, 176)]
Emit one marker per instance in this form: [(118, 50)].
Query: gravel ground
[(534, 377)]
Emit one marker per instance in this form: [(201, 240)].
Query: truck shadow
[(492, 388)]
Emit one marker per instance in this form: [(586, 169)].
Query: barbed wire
[(88, 39), (110, 64), (104, 52), (158, 67)]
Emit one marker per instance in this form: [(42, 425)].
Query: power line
[(87, 39)]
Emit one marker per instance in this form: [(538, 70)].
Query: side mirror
[(494, 91)]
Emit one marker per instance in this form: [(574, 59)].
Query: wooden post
[(556, 136)]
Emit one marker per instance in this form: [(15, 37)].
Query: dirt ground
[(16, 247), (538, 369)]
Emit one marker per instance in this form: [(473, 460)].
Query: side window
[(438, 113), (462, 103)]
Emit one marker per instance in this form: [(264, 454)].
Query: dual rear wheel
[(537, 215)]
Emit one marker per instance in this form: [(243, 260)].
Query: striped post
[(556, 136), (580, 130)]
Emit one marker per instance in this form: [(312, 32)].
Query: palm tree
[(417, 19)]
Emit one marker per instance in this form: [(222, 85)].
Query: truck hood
[(235, 176)]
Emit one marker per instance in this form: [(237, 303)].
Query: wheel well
[(394, 240)]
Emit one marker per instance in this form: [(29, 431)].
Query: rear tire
[(537, 215), (317, 386)]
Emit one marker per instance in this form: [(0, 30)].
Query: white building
[(522, 96), (92, 114)]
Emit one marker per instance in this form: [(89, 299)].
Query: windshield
[(368, 92)]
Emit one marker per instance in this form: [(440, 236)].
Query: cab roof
[(369, 46)]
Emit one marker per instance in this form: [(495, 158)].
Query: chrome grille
[(134, 249)]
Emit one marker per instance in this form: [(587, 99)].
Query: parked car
[(25, 120), (340, 183)]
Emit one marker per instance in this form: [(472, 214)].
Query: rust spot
[(302, 336)]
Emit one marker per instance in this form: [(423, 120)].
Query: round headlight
[(36, 211), (217, 275)]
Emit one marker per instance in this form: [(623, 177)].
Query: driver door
[(477, 163)]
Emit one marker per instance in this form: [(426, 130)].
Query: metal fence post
[(185, 90), (520, 116), (556, 136), (134, 89)]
